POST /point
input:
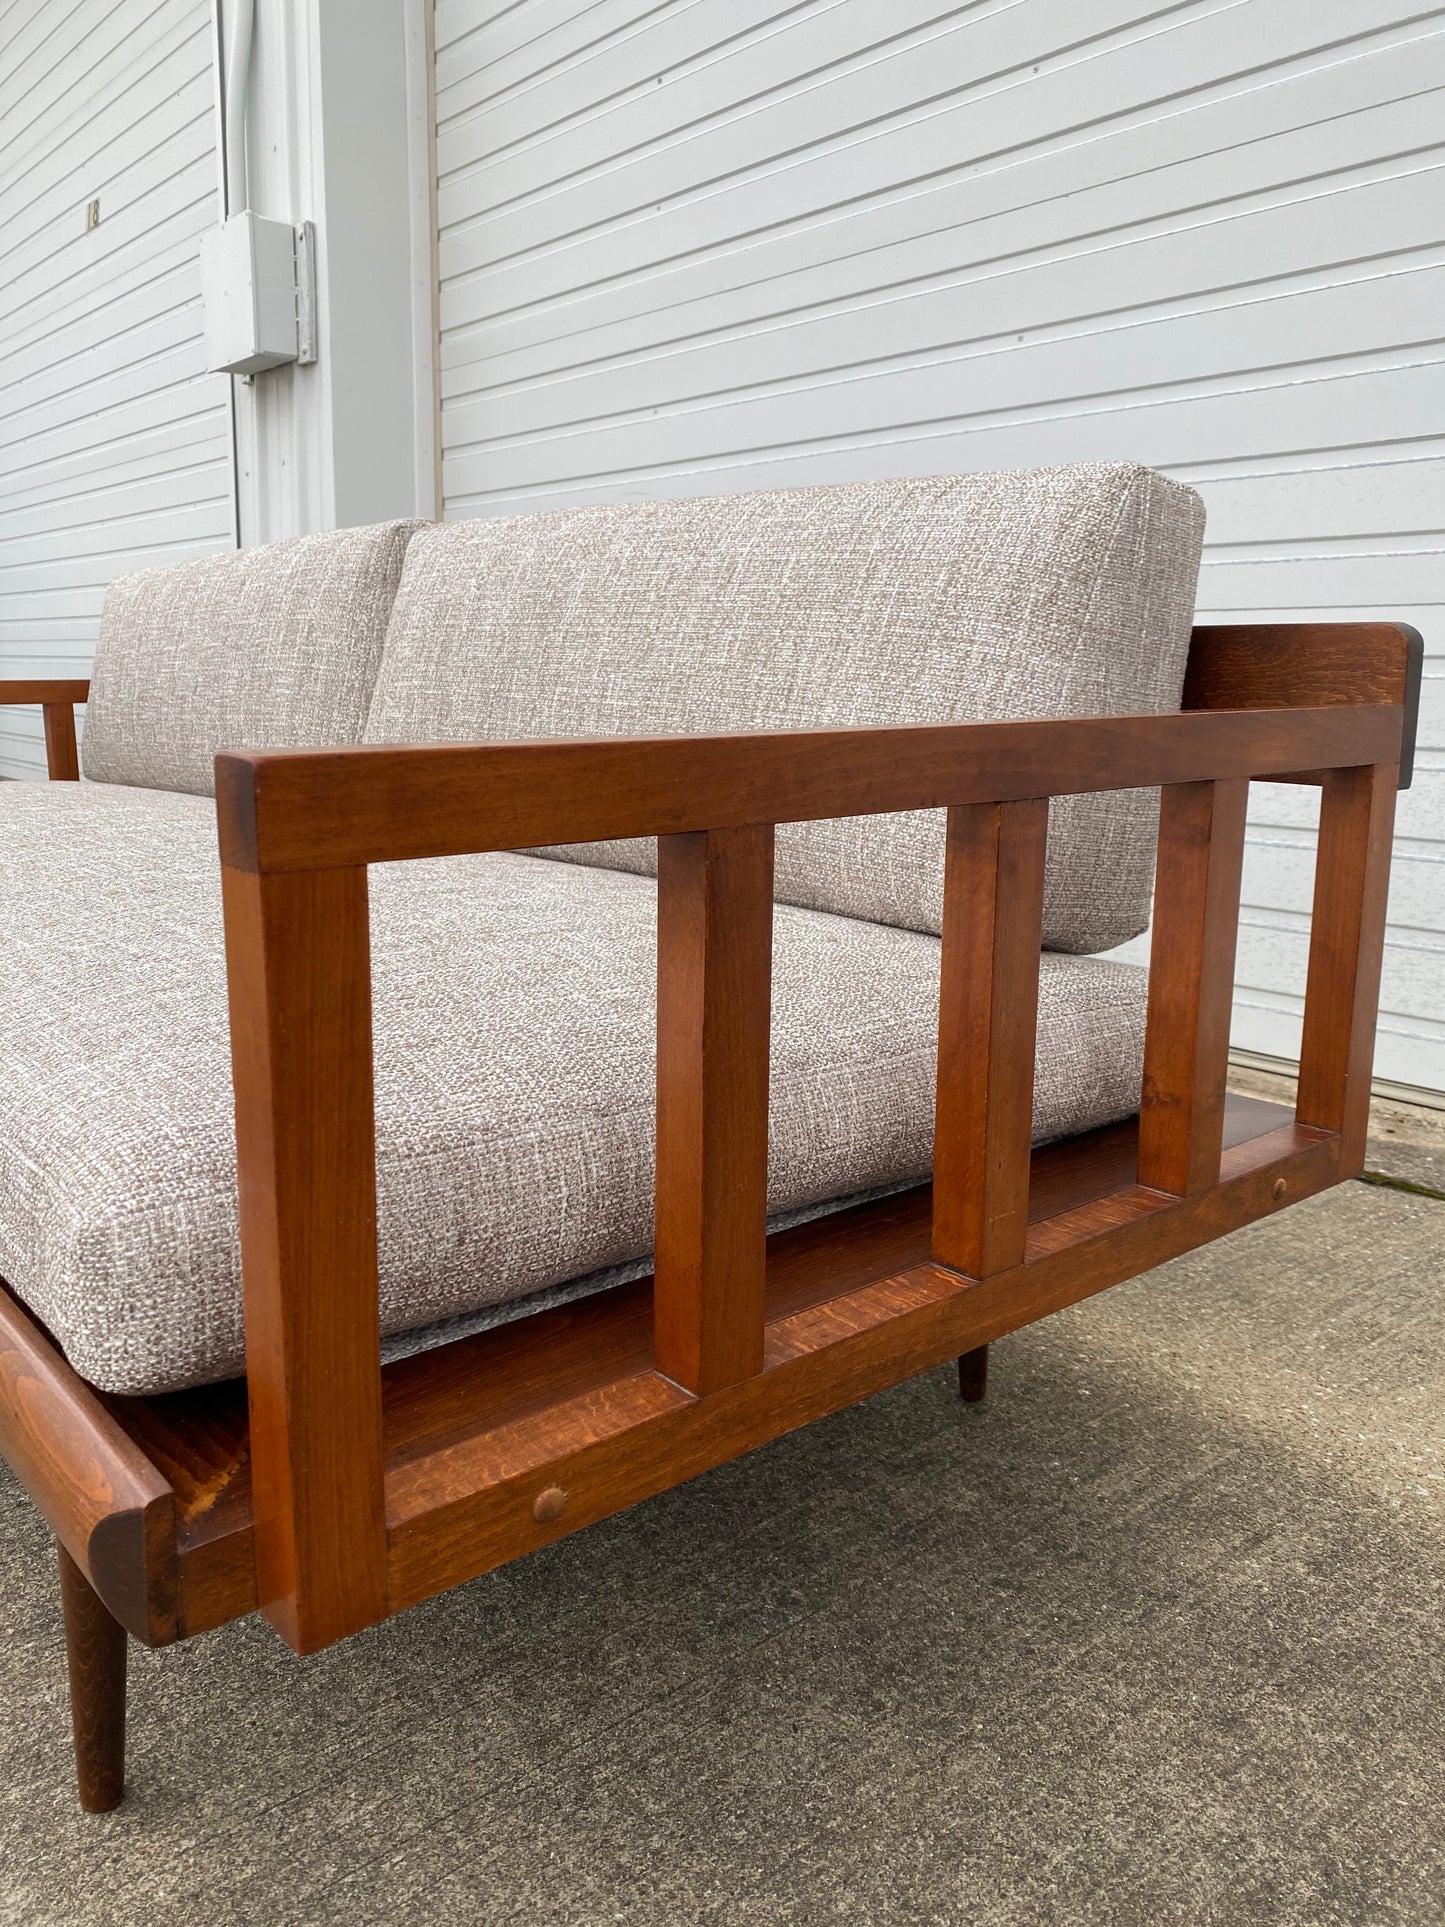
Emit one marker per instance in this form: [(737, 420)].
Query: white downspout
[(223, 198), (238, 80)]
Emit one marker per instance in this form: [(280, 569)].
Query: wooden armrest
[(293, 810), (58, 699), (1286, 665), (299, 828)]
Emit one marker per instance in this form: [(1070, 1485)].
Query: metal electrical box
[(249, 295)]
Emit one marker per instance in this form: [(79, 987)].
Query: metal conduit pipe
[(238, 80)]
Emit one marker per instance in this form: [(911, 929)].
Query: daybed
[(328, 1157)]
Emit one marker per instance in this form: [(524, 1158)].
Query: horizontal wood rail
[(1306, 665), (321, 809), (342, 1535), (18, 692), (478, 1431), (103, 1498), (58, 700), (458, 1507)]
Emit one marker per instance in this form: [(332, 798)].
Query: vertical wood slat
[(298, 960), (993, 897), (1191, 984), (1347, 940), (714, 996), (62, 756)]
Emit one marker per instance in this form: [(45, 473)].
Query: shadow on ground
[(1152, 1636)]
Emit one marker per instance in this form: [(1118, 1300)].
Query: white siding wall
[(114, 443), (738, 243)]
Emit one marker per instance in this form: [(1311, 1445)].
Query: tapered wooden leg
[(95, 1647), (973, 1374)]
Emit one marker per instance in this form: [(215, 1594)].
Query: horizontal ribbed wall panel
[(695, 247), (114, 442)]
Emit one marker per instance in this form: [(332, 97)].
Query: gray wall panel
[(114, 444), (713, 245)]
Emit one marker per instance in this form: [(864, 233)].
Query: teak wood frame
[(329, 1493)]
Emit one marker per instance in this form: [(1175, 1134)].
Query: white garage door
[(727, 244), (114, 442)]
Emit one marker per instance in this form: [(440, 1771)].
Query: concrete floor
[(1154, 1635)]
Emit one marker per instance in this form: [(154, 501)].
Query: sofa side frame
[(58, 701), (341, 1536)]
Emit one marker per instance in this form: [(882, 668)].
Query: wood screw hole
[(549, 1504)]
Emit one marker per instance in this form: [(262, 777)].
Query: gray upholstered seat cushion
[(266, 648), (1055, 592), (514, 1003)]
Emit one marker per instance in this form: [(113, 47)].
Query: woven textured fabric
[(269, 648), (515, 1054), (1056, 592)]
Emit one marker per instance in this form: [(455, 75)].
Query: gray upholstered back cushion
[(1054, 592), (266, 648)]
